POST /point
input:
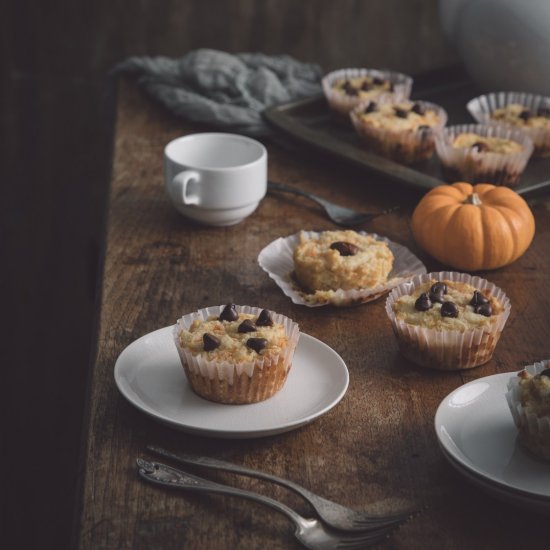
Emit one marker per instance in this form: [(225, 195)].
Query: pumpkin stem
[(473, 199)]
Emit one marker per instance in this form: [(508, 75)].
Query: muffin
[(447, 320), (528, 112), (528, 397), (236, 354), (342, 259), (346, 88), (483, 153), (403, 131)]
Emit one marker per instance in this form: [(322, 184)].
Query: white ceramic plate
[(149, 375), (277, 260), (476, 430)]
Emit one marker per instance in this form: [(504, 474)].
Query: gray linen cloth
[(229, 91)]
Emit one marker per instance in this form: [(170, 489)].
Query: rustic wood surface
[(376, 448)]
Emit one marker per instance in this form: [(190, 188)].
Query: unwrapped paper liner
[(448, 349), (402, 85), (534, 431), (277, 259), (466, 164), (483, 106)]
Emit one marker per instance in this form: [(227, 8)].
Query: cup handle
[(178, 187)]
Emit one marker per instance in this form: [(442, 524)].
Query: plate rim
[(229, 433), (471, 468)]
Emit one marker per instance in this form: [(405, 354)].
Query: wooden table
[(377, 447)]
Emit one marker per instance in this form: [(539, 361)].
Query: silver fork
[(338, 214), (333, 514), (310, 532)]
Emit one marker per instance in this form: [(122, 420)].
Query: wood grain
[(376, 449)]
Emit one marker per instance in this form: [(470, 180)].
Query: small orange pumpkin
[(473, 227)]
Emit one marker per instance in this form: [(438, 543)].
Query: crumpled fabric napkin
[(226, 90)]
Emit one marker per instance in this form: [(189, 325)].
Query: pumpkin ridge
[(498, 244)]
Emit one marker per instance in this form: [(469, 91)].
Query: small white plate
[(149, 375), (277, 260), (476, 430)]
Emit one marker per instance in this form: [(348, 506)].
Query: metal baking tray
[(311, 122)]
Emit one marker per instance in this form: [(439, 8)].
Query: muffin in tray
[(483, 153), (447, 320), (346, 88), (341, 259), (400, 130), (528, 112), (236, 354), (528, 397)]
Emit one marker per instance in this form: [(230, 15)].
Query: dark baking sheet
[(311, 122)]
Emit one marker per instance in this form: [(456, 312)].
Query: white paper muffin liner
[(534, 431), (277, 259), (447, 349), (402, 85), (407, 147), (481, 108), (467, 164), (225, 370)]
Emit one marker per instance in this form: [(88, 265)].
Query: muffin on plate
[(346, 88), (483, 153), (401, 130), (236, 354), (342, 259), (528, 112), (447, 320), (528, 397)]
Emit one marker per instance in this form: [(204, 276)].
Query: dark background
[(56, 138)]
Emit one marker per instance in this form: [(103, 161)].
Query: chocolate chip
[(345, 249), (257, 344), (545, 372), (349, 88), (418, 109), (544, 112), (480, 147), (401, 113), (525, 115), (365, 86), (478, 299), (448, 309), (264, 319), (209, 342), (484, 309), (247, 326), (229, 313), (370, 108), (423, 302), (437, 291), (378, 81)]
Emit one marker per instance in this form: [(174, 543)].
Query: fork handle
[(216, 464), (287, 189), (161, 474)]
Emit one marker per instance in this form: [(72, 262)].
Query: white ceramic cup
[(215, 178)]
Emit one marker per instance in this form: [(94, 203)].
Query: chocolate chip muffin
[(483, 153), (341, 260), (528, 397), (448, 320), (403, 131), (346, 88), (527, 112), (236, 354)]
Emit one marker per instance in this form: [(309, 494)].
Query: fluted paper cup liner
[(534, 431), (402, 85), (277, 260), (467, 164), (447, 349), (483, 106), (242, 382), (407, 147)]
